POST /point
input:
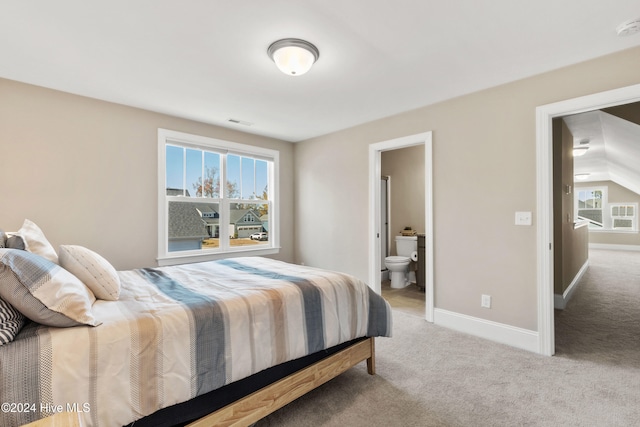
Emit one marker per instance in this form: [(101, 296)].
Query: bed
[(256, 331)]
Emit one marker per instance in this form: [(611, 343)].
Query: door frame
[(387, 235), (375, 172), (544, 171)]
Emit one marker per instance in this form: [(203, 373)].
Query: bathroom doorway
[(375, 217), (404, 215)]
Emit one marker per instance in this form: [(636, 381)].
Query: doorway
[(544, 145), (375, 220)]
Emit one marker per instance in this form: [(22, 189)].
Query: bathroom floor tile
[(409, 300)]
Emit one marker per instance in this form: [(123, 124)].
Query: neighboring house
[(211, 218), (187, 228), (191, 222), (178, 192), (246, 222), (265, 222)]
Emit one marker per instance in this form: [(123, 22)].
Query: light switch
[(523, 218)]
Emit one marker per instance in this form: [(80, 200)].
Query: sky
[(184, 167)]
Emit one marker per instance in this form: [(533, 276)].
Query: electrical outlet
[(486, 301)]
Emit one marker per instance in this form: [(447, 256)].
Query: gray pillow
[(43, 291), (3, 239), (16, 242), (11, 321)]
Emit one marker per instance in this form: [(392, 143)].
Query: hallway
[(602, 320)]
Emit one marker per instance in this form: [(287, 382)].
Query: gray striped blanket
[(181, 331)]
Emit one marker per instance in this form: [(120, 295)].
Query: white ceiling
[(614, 148), (206, 60)]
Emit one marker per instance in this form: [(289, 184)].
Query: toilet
[(406, 247)]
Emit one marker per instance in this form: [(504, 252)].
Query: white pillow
[(92, 269), (35, 242)]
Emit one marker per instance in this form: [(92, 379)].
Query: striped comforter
[(181, 331)]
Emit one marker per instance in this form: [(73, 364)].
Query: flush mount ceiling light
[(581, 176), (293, 57), (582, 148), (629, 27), (579, 151)]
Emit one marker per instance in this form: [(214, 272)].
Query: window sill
[(191, 257)]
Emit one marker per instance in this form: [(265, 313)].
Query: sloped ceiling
[(614, 147)]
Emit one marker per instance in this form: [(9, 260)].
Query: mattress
[(179, 332)]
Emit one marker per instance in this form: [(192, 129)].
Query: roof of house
[(238, 214), (185, 220), (177, 192)]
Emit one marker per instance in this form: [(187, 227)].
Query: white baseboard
[(494, 331), (560, 301), (614, 247)]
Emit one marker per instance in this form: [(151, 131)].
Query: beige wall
[(484, 150), (615, 194), (86, 171), (405, 167)]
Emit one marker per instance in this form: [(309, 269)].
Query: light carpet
[(431, 376)]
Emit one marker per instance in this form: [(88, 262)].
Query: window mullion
[(202, 176), (224, 205), (184, 171)]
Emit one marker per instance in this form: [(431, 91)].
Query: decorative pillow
[(43, 291), (92, 269), (11, 321), (3, 239), (36, 242), (16, 242)]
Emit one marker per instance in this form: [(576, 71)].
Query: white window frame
[(633, 218), (272, 246), (605, 216)]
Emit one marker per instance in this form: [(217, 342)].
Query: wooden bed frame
[(269, 399)]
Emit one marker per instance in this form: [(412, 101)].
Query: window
[(215, 197), (624, 216), (590, 203)]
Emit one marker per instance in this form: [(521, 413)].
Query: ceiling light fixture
[(293, 57), (629, 27), (579, 151), (581, 176)]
